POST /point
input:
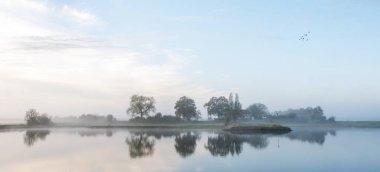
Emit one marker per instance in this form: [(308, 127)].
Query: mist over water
[(80, 149)]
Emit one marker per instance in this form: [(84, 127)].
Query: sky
[(67, 57)]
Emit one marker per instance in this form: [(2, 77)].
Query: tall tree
[(185, 108), (217, 106), (234, 111), (257, 110), (141, 105), (228, 109)]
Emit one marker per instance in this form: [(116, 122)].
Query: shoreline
[(195, 125)]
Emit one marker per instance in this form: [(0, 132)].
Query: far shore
[(195, 125)]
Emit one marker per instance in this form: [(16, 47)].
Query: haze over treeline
[(71, 58), (142, 109)]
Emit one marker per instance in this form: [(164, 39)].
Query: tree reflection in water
[(157, 133), (228, 143), (185, 144), (95, 133), (224, 144), (31, 136), (257, 141), (310, 136), (140, 145)]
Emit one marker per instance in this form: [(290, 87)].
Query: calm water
[(188, 150)]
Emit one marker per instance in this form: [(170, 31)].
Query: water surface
[(168, 150)]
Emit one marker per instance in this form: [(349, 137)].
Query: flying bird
[(304, 37)]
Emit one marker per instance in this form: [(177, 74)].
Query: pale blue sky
[(216, 47)]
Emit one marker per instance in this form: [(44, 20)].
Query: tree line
[(223, 109), (218, 108)]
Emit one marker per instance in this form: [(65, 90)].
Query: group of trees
[(308, 114), (185, 108), (142, 144), (86, 118), (141, 106), (221, 108), (96, 118), (32, 117)]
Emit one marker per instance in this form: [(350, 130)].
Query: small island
[(262, 128)]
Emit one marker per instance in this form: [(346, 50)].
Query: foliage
[(141, 105), (217, 106), (158, 115), (93, 118), (308, 114), (86, 118), (32, 117), (229, 110), (235, 110), (331, 119), (110, 118), (185, 108), (257, 110)]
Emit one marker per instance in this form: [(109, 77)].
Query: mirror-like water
[(188, 150)]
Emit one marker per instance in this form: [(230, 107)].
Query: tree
[(141, 105), (217, 106), (158, 115), (110, 118), (229, 109), (331, 119), (257, 110), (32, 117), (185, 108), (235, 107)]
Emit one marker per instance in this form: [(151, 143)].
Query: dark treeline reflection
[(157, 134), (95, 133), (140, 145), (185, 144), (31, 136), (141, 142), (232, 144), (227, 143), (224, 144), (310, 136)]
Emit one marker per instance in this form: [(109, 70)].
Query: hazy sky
[(72, 57)]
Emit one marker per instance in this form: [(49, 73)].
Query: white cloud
[(80, 16), (45, 66)]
